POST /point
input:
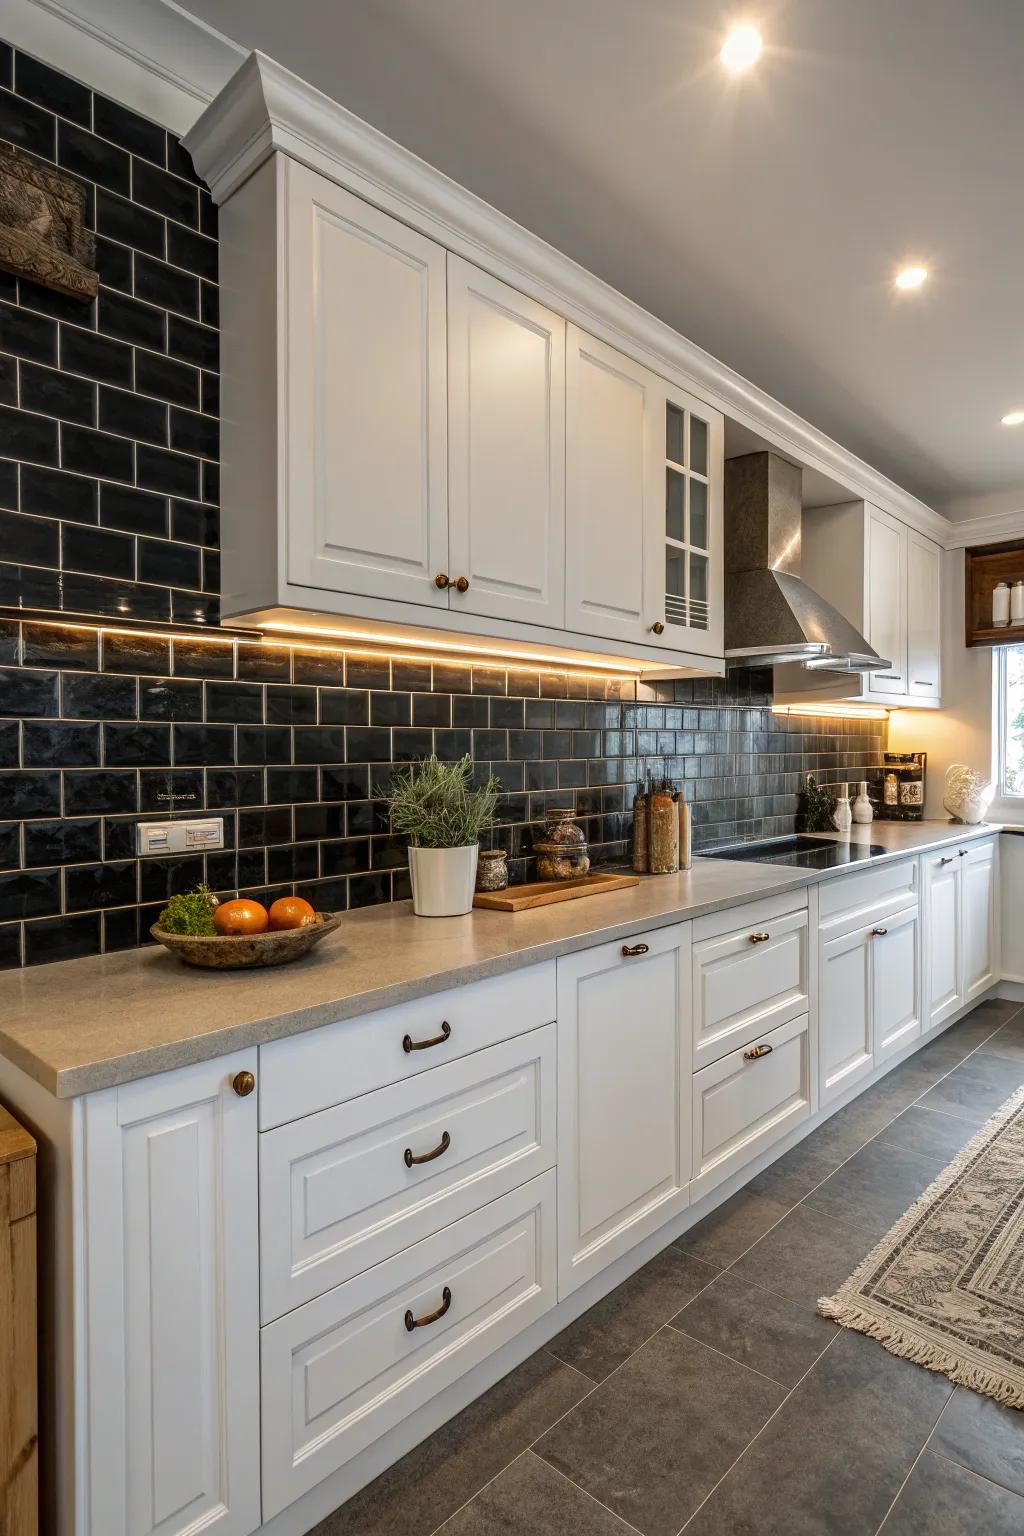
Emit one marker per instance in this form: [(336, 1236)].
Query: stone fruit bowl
[(240, 951)]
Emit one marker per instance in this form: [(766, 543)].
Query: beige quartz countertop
[(81, 1025)]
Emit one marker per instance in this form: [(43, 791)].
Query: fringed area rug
[(945, 1287)]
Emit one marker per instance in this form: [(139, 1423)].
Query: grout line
[(760, 1432), (913, 1464), (962, 1465)]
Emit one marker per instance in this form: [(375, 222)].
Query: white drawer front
[(848, 900), (338, 1194), (327, 1066), (342, 1370), (744, 1104), (747, 981)]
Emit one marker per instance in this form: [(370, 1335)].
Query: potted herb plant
[(434, 804)]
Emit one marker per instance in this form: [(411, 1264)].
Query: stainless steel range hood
[(771, 615)]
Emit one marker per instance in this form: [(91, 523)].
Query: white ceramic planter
[(443, 880)]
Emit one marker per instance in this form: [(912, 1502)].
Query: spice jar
[(492, 870), (640, 832), (662, 831), (562, 853)]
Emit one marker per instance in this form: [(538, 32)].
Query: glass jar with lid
[(562, 852)]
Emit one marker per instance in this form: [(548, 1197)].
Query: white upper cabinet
[(886, 579), (643, 504), (924, 636), (367, 499), (506, 450), (885, 617), (612, 489)]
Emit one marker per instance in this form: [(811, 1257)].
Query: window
[(1010, 719)]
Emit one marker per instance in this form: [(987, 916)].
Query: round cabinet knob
[(462, 585), (442, 580), (657, 628), (243, 1083)]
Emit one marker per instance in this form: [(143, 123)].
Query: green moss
[(191, 913)]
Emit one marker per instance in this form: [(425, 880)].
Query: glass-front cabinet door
[(685, 546)]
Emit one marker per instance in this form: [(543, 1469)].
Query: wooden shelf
[(985, 565)]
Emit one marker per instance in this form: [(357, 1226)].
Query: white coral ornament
[(967, 796)]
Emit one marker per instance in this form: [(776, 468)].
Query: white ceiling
[(762, 215)]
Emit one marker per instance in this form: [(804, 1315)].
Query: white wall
[(961, 731)]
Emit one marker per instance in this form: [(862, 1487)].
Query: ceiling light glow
[(741, 49), (911, 277), (1013, 419)]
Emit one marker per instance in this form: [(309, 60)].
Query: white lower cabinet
[(748, 1100), (172, 1305), (623, 1097), (961, 892), (343, 1189), (869, 997), (750, 972), (340, 1371)]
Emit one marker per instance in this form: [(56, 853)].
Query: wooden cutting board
[(542, 892)]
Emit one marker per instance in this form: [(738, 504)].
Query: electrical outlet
[(180, 836)]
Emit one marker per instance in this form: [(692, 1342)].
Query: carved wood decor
[(42, 233)]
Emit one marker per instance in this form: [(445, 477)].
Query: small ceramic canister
[(492, 870), (1017, 603)]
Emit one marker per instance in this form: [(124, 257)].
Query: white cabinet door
[(943, 934), (366, 496), (845, 1049), (172, 1304), (506, 450), (685, 525), (895, 982), (886, 594), (980, 926), (624, 1097), (924, 635), (613, 480)]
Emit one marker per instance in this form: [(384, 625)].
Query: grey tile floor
[(706, 1395)]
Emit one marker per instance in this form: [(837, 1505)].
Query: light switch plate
[(180, 836)]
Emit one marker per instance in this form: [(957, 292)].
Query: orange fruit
[(291, 912), (244, 916)]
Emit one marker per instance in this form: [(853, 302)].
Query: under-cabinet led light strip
[(834, 711)]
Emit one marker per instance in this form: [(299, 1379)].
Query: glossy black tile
[(27, 335), (57, 394), (204, 744), (10, 946), (164, 193), (27, 126), (131, 415), (131, 132), (29, 893), (238, 702), (101, 790), (166, 379), (62, 938), (29, 540), (93, 159), (100, 885), (123, 220), (95, 453), (28, 693), (10, 845), (25, 436), (135, 745), (291, 706), (97, 357), (161, 878), (49, 88), (59, 744), (61, 842), (241, 786), (171, 789), (133, 511), (136, 653), (192, 343)]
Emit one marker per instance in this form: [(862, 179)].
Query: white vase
[(443, 880), (842, 816), (862, 808)]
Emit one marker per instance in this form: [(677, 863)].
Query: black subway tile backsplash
[(109, 507)]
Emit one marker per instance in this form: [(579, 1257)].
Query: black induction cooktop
[(799, 852)]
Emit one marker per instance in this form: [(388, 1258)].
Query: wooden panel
[(895, 983), (506, 449), (327, 1066), (19, 1465), (340, 1371), (623, 1097), (337, 1194), (610, 490), (984, 567), (367, 398), (742, 1105), (845, 1049), (172, 1281), (745, 984)]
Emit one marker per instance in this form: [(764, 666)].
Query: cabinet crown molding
[(266, 108)]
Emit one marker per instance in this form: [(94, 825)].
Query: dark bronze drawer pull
[(947, 860), (411, 1158), (756, 1052), (879, 933), (409, 1044), (430, 1317), (634, 949), (759, 938), (962, 852)]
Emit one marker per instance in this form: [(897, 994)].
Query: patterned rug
[(945, 1287)]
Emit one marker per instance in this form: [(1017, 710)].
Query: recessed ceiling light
[(1014, 419), (911, 277), (741, 49)]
